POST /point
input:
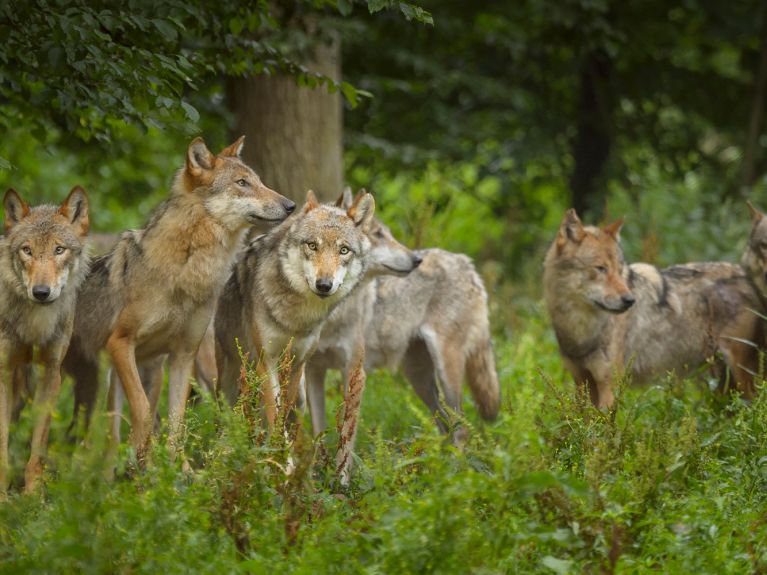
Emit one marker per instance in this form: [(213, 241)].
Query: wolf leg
[(123, 352), (315, 391), (6, 405), (179, 379), (45, 401), (418, 368)]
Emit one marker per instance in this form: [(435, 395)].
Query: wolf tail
[(483, 379)]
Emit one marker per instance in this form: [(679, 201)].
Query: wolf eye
[(601, 269), (59, 250), (27, 250), (311, 245), (344, 251), (243, 183)]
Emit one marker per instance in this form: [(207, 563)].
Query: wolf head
[(590, 264), (387, 256), (45, 243), (231, 191), (325, 251), (754, 259)]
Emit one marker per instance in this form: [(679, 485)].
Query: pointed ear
[(234, 150), (345, 200), (198, 157), (16, 209), (571, 229), (614, 228), (362, 209), (311, 201), (75, 209), (756, 215)]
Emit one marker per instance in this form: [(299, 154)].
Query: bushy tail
[(483, 379)]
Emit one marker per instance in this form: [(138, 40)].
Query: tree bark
[(293, 134), (591, 147), (756, 119)]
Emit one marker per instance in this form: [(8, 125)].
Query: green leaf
[(559, 566), (191, 112), (345, 7)]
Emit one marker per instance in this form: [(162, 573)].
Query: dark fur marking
[(681, 272)]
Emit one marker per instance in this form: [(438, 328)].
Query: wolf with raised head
[(43, 262), (611, 317), (283, 288), (155, 292)]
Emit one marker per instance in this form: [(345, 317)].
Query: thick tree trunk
[(591, 147), (293, 134), (756, 119)]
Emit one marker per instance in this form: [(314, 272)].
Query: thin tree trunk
[(293, 134), (757, 114), (591, 147)]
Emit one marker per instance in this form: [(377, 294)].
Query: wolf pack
[(229, 277)]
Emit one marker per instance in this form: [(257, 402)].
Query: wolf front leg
[(6, 405), (122, 350), (181, 366), (45, 402)]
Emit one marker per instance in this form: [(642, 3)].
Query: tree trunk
[(293, 134), (591, 147), (757, 114)]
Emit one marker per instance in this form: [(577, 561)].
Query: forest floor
[(674, 481)]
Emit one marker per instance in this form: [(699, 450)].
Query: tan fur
[(155, 292), (610, 317), (273, 299), (42, 264)]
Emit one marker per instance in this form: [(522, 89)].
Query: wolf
[(431, 322), (154, 293), (43, 262), (281, 291), (610, 317)]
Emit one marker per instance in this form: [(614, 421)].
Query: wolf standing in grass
[(609, 316), (431, 321), (282, 290), (155, 292), (42, 264)]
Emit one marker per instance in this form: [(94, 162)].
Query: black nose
[(323, 285), (628, 300), (417, 260), (41, 292), (289, 206)]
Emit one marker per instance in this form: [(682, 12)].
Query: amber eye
[(311, 245), (243, 183), (27, 250), (601, 269), (344, 251), (59, 250)]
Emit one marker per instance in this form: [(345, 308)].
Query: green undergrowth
[(674, 481)]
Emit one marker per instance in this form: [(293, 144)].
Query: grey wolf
[(610, 317), (282, 289), (432, 323), (155, 292), (43, 262), (754, 259)]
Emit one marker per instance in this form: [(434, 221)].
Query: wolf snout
[(417, 260), (289, 205), (628, 300), (41, 292), (323, 285)]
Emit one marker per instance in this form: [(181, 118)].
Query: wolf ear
[(362, 210), (345, 200), (16, 209), (614, 229), (756, 215), (234, 150), (571, 229), (198, 157), (75, 209), (311, 201)]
